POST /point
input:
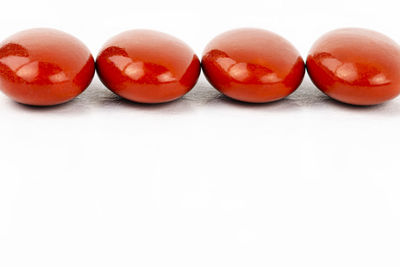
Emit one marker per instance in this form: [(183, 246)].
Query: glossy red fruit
[(44, 67), (253, 65), (148, 66), (356, 66)]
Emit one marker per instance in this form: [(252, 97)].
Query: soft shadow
[(101, 97), (211, 97), (309, 95), (97, 96), (74, 106), (222, 99)]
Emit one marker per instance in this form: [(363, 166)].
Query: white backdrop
[(203, 181)]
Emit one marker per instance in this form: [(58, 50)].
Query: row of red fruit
[(49, 67)]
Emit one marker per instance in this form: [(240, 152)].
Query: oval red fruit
[(44, 67), (148, 66), (253, 65), (356, 66)]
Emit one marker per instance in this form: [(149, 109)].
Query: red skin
[(147, 66), (356, 66), (253, 65), (44, 67)]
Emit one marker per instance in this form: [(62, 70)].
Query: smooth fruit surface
[(253, 65), (356, 66), (44, 67), (148, 66)]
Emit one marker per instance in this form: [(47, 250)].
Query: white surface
[(203, 181)]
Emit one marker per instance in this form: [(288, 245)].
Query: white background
[(203, 181)]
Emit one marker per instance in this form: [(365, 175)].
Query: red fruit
[(356, 66), (148, 66), (44, 67), (253, 65)]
